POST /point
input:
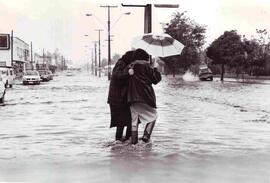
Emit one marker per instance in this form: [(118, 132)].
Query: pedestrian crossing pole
[(148, 13), (148, 18)]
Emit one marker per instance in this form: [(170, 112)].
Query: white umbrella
[(159, 45)]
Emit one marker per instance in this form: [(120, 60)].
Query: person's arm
[(120, 71), (154, 75)]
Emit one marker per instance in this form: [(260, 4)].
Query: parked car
[(2, 90), (69, 73), (205, 74), (44, 75), (31, 77), (7, 76), (50, 75)]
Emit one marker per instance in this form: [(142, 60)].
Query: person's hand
[(131, 72), (155, 65)]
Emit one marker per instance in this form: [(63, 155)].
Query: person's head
[(140, 54), (127, 57)]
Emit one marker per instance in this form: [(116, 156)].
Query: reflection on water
[(204, 129)]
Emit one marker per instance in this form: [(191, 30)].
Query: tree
[(263, 51), (252, 50), (186, 31), (190, 34), (228, 50), (256, 53), (188, 57)]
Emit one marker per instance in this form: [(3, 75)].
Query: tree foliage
[(228, 50), (183, 29), (191, 35), (240, 56)]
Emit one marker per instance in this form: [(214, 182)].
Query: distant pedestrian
[(117, 98), (141, 94)]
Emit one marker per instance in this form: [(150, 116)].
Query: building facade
[(21, 55), (5, 50)]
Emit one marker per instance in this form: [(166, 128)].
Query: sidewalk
[(246, 77)]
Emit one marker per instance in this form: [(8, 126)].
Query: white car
[(31, 77), (2, 90), (7, 76)]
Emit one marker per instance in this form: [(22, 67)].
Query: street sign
[(4, 42)]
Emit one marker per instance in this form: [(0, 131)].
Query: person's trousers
[(120, 130)]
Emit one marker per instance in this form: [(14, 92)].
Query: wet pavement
[(58, 131)]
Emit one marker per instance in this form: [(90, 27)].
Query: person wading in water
[(117, 98), (141, 95)]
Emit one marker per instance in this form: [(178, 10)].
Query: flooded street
[(58, 131)]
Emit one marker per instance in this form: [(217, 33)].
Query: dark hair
[(128, 56), (140, 54)]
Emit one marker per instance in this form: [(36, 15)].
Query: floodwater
[(206, 132)]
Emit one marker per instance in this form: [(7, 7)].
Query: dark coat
[(118, 84), (140, 84), (117, 97)]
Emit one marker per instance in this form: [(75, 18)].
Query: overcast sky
[(62, 24)]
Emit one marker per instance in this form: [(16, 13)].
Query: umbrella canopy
[(159, 45)]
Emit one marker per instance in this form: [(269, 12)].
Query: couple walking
[(131, 97)]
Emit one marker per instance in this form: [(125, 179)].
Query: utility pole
[(99, 53), (95, 58), (109, 42), (56, 61), (32, 64), (62, 63), (92, 64), (11, 48), (43, 56)]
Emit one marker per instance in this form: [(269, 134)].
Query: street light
[(127, 13), (94, 60), (109, 42), (109, 36), (92, 15), (109, 29)]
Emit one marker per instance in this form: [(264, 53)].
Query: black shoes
[(145, 139), (134, 137)]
